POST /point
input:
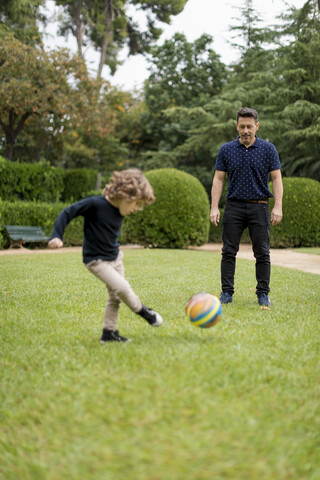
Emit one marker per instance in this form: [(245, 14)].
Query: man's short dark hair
[(247, 112)]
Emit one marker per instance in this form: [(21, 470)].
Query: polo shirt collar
[(255, 144)]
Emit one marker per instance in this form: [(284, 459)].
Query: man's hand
[(215, 216), (55, 243), (277, 187), (276, 216)]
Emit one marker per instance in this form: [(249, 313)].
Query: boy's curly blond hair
[(129, 184)]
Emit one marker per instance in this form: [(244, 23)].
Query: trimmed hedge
[(77, 184), (178, 218), (300, 226), (43, 183), (1, 223), (38, 214)]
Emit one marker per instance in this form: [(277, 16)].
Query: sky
[(198, 17)]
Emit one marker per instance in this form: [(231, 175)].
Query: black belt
[(263, 200)]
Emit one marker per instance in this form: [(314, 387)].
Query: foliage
[(77, 183), (39, 182), (109, 26), (281, 82), (62, 115), (30, 182), (1, 223), (20, 17), (40, 215), (34, 83), (298, 92), (300, 226), (183, 74), (54, 111), (238, 401), (178, 218), (94, 142)]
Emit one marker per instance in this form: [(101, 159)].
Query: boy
[(126, 192)]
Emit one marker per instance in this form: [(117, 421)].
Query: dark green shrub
[(178, 218), (300, 226), (1, 223), (26, 181), (38, 214), (78, 182), (43, 183)]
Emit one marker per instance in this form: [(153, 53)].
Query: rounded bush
[(178, 218), (300, 226)]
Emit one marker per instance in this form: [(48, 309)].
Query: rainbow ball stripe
[(203, 310)]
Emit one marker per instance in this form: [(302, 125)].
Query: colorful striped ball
[(203, 310)]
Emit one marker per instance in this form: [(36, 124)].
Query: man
[(248, 160)]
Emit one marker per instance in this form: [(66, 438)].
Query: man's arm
[(216, 191), (277, 188)]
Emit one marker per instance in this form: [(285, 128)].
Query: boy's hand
[(55, 243)]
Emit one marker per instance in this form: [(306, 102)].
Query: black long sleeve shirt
[(102, 225)]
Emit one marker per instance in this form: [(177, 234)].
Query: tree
[(281, 82), (249, 34), (183, 75), (297, 96), (34, 84), (108, 26), (94, 141), (19, 17)]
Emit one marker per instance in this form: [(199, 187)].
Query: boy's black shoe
[(152, 317), (112, 336)]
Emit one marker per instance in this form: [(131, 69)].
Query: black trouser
[(237, 216)]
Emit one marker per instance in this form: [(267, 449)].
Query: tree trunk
[(79, 27), (99, 181), (108, 16), (11, 133), (8, 152)]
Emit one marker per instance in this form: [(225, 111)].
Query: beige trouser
[(112, 274)]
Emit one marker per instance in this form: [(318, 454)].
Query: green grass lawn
[(237, 401), (312, 250)]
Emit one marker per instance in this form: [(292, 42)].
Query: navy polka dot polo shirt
[(248, 168)]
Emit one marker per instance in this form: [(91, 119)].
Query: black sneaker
[(152, 317), (112, 336)]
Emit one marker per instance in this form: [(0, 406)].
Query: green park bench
[(25, 234)]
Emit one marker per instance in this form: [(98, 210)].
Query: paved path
[(284, 258), (281, 257)]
